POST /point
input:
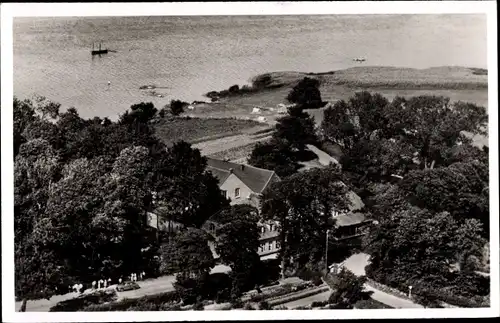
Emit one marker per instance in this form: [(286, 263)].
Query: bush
[(237, 303), (370, 304), (189, 289), (81, 302), (297, 297), (319, 304), (140, 304), (198, 306), (248, 307), (218, 287), (264, 305), (177, 107)]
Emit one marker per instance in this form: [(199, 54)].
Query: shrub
[(248, 307), (143, 303), (189, 289), (297, 297), (236, 303), (264, 305), (198, 306), (177, 107), (319, 304), (81, 302), (370, 304), (218, 287)]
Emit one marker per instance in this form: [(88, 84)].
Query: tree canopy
[(303, 205), (306, 94), (83, 188)]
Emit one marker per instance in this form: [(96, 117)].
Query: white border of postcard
[(9, 11)]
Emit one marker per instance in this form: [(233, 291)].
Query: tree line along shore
[(83, 186)]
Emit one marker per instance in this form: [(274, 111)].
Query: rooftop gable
[(255, 178)]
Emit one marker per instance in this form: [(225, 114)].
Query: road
[(148, 287), (357, 263)]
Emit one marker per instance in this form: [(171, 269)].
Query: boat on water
[(99, 50), (359, 59)]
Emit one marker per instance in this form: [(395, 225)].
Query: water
[(189, 56)]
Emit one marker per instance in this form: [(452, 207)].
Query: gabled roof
[(348, 219), (255, 178)]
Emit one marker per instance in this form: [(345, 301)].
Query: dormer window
[(236, 192), (262, 229)]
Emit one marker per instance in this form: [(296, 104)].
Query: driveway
[(357, 263)]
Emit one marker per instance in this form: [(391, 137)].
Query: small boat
[(98, 51), (359, 59)]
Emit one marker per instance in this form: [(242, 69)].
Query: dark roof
[(255, 178), (348, 219), (268, 235)]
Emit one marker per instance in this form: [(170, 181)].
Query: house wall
[(231, 184), (269, 246)]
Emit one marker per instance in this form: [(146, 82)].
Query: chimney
[(242, 167), (230, 170)]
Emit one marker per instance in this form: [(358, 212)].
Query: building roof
[(348, 219), (255, 178), (356, 201)]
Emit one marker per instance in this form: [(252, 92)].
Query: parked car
[(127, 286)]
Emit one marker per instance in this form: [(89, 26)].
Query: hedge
[(146, 303), (83, 301), (299, 296)]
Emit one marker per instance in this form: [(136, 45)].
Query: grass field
[(225, 138), (457, 83), (196, 130)]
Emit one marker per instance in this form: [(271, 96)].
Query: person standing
[(105, 283)]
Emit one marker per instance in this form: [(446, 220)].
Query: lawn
[(196, 130)]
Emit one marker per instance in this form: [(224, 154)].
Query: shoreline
[(368, 77)]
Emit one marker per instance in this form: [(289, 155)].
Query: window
[(224, 193), (236, 192), (270, 246), (261, 248), (263, 229), (277, 244), (271, 227)]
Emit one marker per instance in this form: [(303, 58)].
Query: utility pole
[(326, 252)]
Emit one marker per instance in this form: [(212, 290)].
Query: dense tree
[(36, 167), (237, 243), (177, 107), (424, 130), (275, 156), (188, 254), (306, 94), (338, 125), (415, 247), (303, 204), (377, 159), (142, 112), (185, 189), (296, 130), (347, 290), (461, 189)]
